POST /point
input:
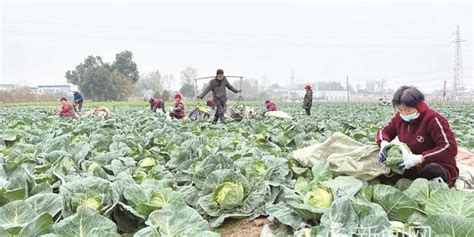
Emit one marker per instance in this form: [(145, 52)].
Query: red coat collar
[(422, 108)]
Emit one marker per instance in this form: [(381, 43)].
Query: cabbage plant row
[(141, 174)]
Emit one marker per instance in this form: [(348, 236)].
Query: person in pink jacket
[(67, 110)]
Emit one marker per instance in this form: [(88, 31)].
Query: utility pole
[(458, 75), (444, 92), (347, 87)]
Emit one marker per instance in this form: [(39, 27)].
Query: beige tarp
[(465, 163), (278, 114), (465, 157), (349, 157), (345, 155), (100, 111)]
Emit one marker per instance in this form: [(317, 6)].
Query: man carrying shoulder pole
[(218, 87)]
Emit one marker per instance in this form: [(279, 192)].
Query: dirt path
[(243, 227)]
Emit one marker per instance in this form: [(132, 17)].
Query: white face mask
[(409, 117)]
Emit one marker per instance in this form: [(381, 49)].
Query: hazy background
[(404, 43)]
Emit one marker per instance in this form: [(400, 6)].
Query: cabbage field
[(139, 173)]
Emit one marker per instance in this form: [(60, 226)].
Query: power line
[(416, 81), (183, 39), (417, 73), (107, 27)]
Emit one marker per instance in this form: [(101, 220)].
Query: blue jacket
[(78, 96)]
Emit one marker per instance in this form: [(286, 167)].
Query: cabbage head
[(93, 203), (147, 163), (93, 166), (228, 195), (139, 176), (157, 200), (394, 155), (256, 168), (318, 198)]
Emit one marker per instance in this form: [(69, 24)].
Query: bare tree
[(370, 86), (380, 86), (167, 80), (188, 74)]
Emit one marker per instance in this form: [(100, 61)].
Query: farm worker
[(67, 110), (218, 87), (270, 106), (308, 99), (157, 104), (211, 104), (427, 134), (178, 111), (78, 100)]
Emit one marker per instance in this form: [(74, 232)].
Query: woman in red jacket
[(157, 104), (67, 110), (270, 106), (427, 134)]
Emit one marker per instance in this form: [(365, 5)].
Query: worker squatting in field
[(67, 110), (157, 104), (178, 110), (427, 133)]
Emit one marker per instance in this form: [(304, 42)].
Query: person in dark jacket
[(157, 104), (427, 134), (78, 100), (178, 111), (67, 110), (308, 99), (218, 87)]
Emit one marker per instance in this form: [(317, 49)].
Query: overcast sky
[(405, 43)]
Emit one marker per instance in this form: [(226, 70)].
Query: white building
[(7, 87), (330, 95), (52, 89)]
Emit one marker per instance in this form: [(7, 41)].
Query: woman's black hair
[(408, 96), (220, 72)]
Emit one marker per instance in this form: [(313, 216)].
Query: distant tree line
[(120, 80), (99, 80)]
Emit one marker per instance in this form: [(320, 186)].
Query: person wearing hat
[(428, 135), (157, 104), (178, 111), (67, 110), (308, 99), (78, 100), (218, 87)]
